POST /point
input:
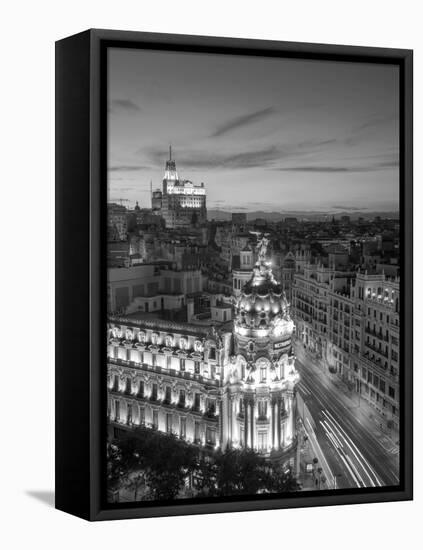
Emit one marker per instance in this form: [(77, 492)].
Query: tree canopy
[(163, 463)]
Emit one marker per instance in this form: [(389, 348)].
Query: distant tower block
[(183, 203)]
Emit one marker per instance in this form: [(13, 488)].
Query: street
[(357, 454)]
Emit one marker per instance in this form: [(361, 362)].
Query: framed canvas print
[(234, 274)]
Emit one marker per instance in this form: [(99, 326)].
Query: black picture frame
[(81, 271)]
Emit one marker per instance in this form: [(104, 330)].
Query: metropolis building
[(227, 387), (183, 203)]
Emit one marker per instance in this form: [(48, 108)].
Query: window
[(391, 392), (169, 420), (141, 389), (211, 406), (212, 352), (128, 386), (197, 367), (263, 372), (155, 419), (168, 394), (181, 401), (211, 436), (116, 383), (182, 364), (241, 406), (196, 406), (382, 385), (197, 432), (117, 410), (262, 441), (129, 414), (142, 416), (154, 392), (182, 427), (262, 409), (168, 361)]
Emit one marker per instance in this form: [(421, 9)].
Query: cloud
[(375, 126), (389, 164), (320, 169), (128, 168), (375, 121), (340, 169), (243, 120), (205, 160), (312, 144), (348, 208), (123, 105)]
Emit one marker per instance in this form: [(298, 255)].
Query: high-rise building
[(183, 203)]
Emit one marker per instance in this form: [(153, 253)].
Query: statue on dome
[(261, 246)]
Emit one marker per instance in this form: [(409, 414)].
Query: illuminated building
[(262, 386), (350, 321), (232, 386), (183, 203)]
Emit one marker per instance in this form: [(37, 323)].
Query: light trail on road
[(353, 452)]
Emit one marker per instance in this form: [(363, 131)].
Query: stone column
[(253, 422), (278, 423), (230, 426), (246, 427), (221, 438), (224, 419), (235, 429)]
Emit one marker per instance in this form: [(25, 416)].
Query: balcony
[(378, 335), (376, 349), (162, 370)]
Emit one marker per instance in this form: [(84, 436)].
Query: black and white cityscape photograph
[(253, 275)]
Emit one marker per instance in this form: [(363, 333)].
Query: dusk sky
[(262, 134)]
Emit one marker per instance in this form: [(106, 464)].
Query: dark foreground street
[(356, 452)]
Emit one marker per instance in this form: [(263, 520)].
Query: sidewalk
[(309, 481), (364, 412)]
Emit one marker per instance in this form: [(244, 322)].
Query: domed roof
[(262, 302)]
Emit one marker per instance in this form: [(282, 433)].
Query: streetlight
[(320, 471)]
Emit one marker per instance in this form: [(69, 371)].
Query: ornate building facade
[(350, 321), (228, 387), (183, 203)]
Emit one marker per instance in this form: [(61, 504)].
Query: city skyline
[(323, 135)]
